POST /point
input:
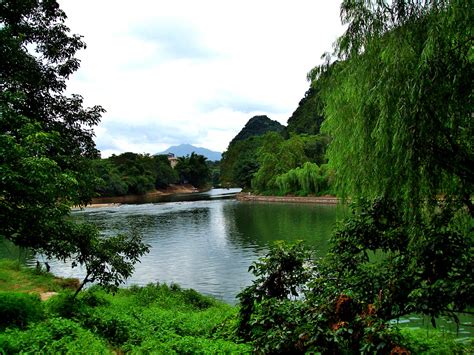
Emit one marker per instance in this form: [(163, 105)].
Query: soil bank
[(323, 200)]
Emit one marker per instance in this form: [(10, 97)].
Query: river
[(208, 244)]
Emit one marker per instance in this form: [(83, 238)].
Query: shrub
[(433, 342), (19, 309), (63, 305), (197, 300), (56, 336), (113, 325)]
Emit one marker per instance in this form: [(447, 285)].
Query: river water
[(208, 244)]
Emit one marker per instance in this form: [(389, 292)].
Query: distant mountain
[(186, 149), (258, 126)]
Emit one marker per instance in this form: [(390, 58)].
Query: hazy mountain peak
[(184, 149)]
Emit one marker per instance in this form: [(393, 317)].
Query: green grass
[(421, 341), (156, 318), (15, 277)]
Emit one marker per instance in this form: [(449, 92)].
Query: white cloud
[(171, 72)]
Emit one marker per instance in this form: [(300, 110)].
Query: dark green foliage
[(19, 309), (215, 172), (284, 165), (46, 143), (131, 173), (308, 117), (55, 335), (315, 148), (193, 169), (427, 269), (45, 136), (257, 126), (296, 305), (279, 275), (239, 162)]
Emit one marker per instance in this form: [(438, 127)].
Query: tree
[(275, 157), (46, 137), (398, 106), (239, 162), (194, 170)]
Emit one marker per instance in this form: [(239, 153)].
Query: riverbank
[(156, 318), (173, 189), (323, 200)]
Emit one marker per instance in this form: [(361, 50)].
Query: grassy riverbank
[(155, 318)]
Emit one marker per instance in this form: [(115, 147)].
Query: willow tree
[(398, 106), (398, 102)]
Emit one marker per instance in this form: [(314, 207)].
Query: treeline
[(131, 173), (268, 159)]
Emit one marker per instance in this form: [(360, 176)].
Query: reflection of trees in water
[(261, 224), (8, 250)]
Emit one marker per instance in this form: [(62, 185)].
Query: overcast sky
[(171, 72)]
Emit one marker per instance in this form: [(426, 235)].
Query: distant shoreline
[(111, 201), (323, 200)]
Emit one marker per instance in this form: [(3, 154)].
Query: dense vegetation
[(47, 147), (131, 173), (271, 164), (398, 105), (156, 318)]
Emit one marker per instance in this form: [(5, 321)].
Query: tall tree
[(193, 169), (398, 106), (46, 137), (398, 103)]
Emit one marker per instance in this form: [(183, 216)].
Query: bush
[(190, 345), (19, 309), (197, 300), (55, 336), (113, 325), (64, 305), (433, 342)]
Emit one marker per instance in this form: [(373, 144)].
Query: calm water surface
[(208, 245)]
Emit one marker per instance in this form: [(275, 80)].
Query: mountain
[(186, 149), (308, 117), (257, 126)]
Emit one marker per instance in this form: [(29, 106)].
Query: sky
[(184, 71)]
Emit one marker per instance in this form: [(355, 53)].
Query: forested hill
[(308, 117), (257, 126), (264, 152)]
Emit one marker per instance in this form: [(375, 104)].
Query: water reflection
[(208, 245)]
